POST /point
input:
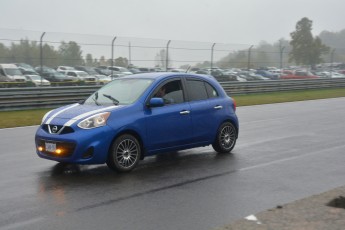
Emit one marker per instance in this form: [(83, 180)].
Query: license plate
[(50, 147)]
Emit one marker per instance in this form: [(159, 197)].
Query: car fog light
[(58, 151), (40, 148)]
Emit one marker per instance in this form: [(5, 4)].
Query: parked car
[(28, 71), (82, 76), (25, 67), (147, 70), (267, 74), (101, 79), (336, 75), (65, 68), (234, 77), (36, 80), (298, 74), (103, 71), (57, 78), (130, 118), (220, 75), (250, 76), (122, 70), (134, 70), (203, 71), (11, 75)]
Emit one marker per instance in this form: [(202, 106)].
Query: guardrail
[(52, 97)]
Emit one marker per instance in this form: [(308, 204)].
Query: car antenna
[(188, 68)]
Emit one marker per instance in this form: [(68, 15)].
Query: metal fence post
[(41, 55), (112, 56), (167, 56), (249, 52), (129, 54), (212, 55), (281, 48), (332, 57)]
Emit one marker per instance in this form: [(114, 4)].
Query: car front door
[(169, 126)]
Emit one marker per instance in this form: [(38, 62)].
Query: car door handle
[(218, 107), (185, 112)]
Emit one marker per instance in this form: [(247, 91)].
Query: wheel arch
[(234, 123), (133, 133)]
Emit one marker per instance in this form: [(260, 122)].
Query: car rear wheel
[(124, 154), (226, 138)]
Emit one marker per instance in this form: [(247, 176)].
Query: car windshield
[(122, 69), (82, 74), (26, 66), (90, 70), (13, 72), (121, 91), (58, 74), (35, 77)]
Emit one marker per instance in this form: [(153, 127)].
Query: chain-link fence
[(23, 46), (53, 49)]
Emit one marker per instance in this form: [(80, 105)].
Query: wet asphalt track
[(285, 152)]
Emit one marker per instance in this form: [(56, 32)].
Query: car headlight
[(94, 121)]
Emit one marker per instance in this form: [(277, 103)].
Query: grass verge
[(10, 119)]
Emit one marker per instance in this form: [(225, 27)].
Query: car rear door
[(206, 109)]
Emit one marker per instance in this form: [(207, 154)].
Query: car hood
[(68, 115)]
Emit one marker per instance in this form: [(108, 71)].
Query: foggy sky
[(224, 21)]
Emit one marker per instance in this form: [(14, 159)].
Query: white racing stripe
[(61, 111), (84, 115), (46, 115)]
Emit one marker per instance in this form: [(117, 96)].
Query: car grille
[(57, 129)]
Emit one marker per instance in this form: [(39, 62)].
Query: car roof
[(159, 75)]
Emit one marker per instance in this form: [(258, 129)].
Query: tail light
[(234, 103)]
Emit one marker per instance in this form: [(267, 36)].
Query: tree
[(306, 49), (70, 54), (89, 60), (102, 61), (120, 61), (161, 59), (3, 53)]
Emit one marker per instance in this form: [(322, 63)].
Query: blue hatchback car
[(137, 116)]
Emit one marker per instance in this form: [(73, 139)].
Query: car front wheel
[(226, 138), (124, 154)]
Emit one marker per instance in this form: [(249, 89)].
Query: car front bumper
[(82, 146)]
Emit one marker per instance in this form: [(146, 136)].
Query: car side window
[(211, 91), (171, 92), (196, 90)]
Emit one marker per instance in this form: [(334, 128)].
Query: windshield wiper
[(95, 98), (115, 101)]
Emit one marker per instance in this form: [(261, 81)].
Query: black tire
[(124, 154), (226, 138)]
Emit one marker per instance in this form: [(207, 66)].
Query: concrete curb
[(319, 212)]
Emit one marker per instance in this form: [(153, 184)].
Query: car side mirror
[(156, 102)]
